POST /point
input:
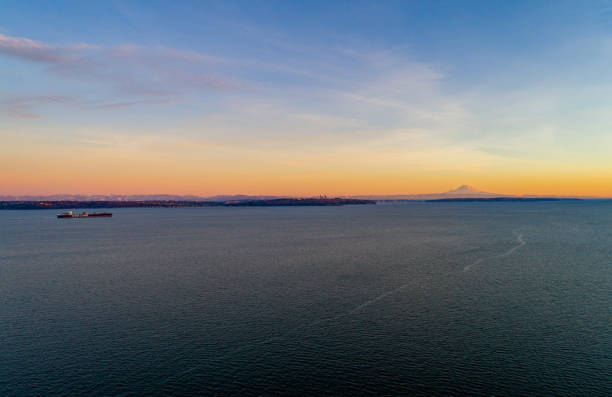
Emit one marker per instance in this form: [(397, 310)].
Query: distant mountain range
[(464, 191), (137, 197)]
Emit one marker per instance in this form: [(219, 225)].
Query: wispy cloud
[(30, 50), (129, 69), (354, 96), (22, 107), (28, 107), (135, 75), (153, 101)]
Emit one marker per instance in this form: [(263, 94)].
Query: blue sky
[(422, 95)]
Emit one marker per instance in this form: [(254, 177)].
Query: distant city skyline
[(299, 99)]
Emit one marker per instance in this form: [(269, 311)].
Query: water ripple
[(521, 242)]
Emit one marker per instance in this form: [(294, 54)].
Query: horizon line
[(18, 197)]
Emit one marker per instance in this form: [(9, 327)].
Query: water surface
[(419, 298)]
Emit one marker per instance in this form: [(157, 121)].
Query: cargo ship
[(84, 214)]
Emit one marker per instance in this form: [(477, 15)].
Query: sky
[(305, 98)]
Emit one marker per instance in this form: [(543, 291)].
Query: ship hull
[(86, 215)]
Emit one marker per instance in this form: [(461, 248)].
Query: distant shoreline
[(498, 199), (279, 202), (283, 202)]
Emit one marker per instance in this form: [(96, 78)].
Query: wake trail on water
[(279, 337), (521, 241), (369, 302)]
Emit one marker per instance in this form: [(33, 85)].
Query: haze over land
[(464, 191)]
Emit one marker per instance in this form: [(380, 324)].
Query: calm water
[(454, 298)]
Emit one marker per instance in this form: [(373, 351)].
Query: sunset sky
[(305, 98)]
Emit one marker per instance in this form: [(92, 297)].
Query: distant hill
[(137, 197), (282, 202), (469, 191), (496, 199), (463, 191)]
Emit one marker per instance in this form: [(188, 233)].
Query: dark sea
[(491, 299)]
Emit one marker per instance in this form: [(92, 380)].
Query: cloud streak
[(26, 107), (120, 76), (128, 69), (30, 50), (22, 107)]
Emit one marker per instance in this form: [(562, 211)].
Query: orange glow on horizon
[(44, 169), (146, 180)]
